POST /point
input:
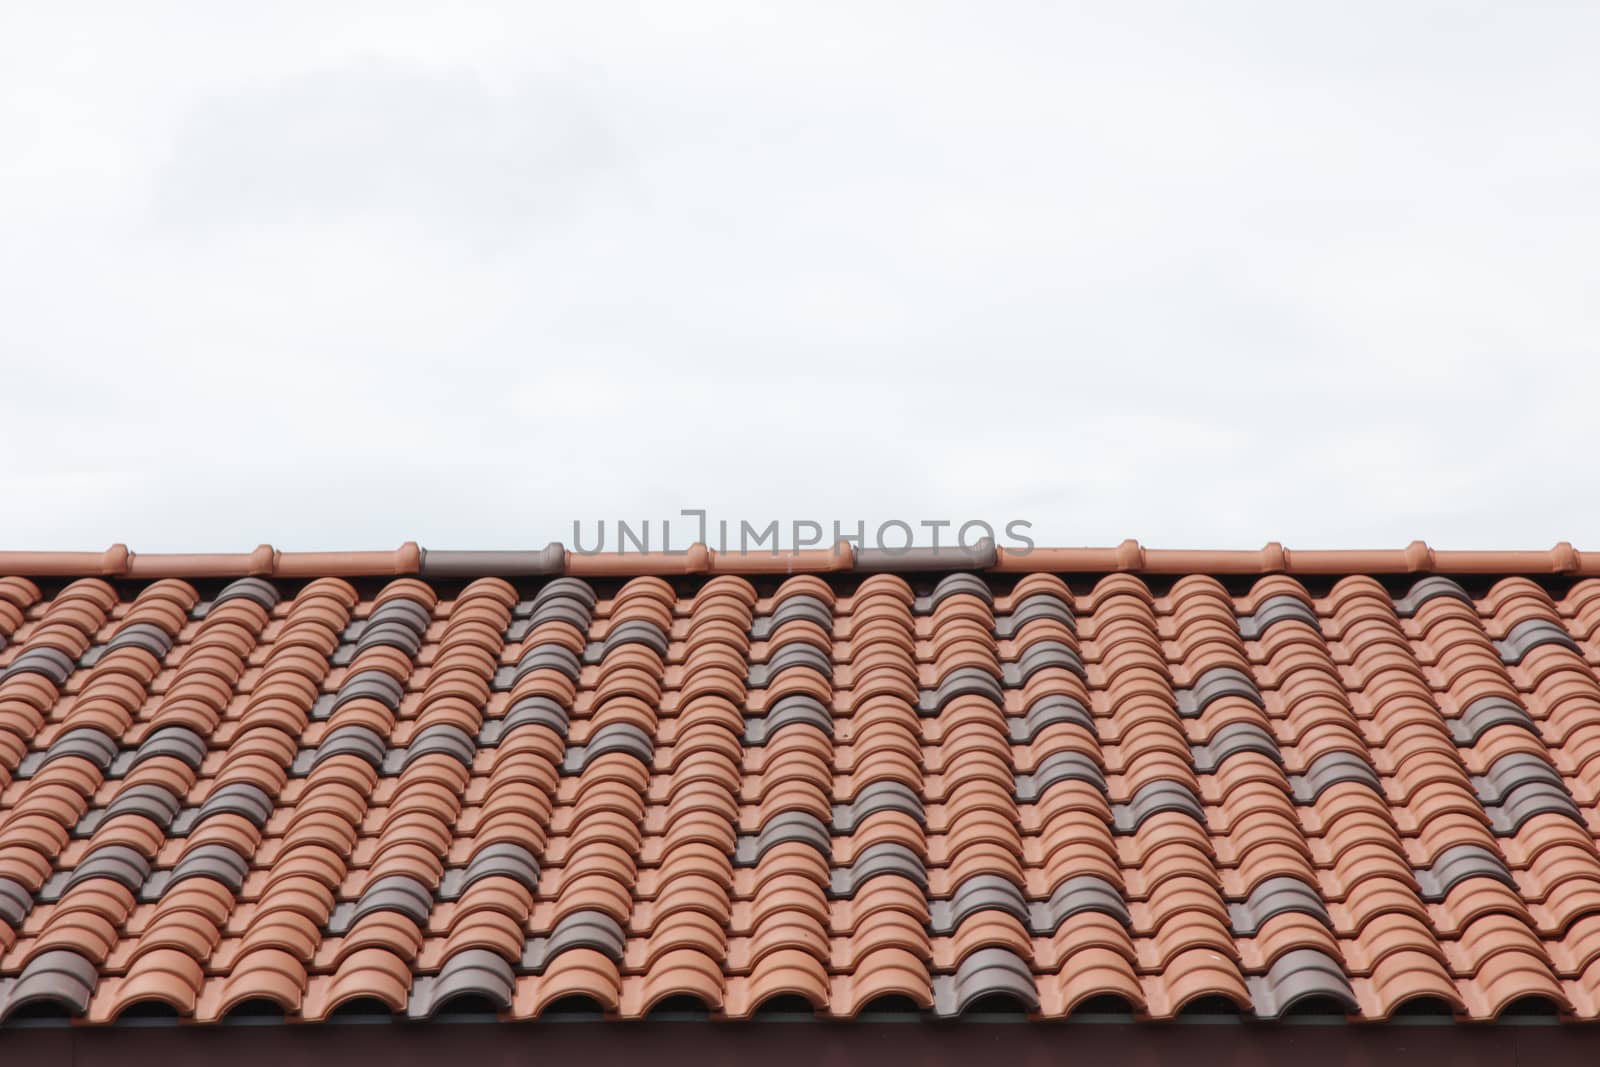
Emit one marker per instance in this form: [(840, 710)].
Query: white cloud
[(1203, 277)]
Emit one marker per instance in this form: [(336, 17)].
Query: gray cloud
[(397, 145), (1203, 278)]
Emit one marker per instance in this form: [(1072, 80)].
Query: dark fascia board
[(1313, 1042)]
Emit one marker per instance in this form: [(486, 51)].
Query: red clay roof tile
[(359, 777)]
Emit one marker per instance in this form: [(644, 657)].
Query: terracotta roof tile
[(522, 778)]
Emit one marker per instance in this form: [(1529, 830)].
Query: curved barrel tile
[(833, 789)]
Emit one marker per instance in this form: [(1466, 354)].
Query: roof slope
[(938, 788)]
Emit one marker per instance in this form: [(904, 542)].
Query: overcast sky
[(1207, 275)]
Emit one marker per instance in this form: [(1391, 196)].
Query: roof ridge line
[(556, 559)]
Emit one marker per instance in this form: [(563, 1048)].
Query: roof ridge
[(1130, 556)]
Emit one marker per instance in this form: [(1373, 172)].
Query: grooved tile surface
[(844, 792)]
